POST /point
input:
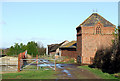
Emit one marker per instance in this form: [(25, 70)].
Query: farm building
[(54, 48), (68, 49), (93, 34)]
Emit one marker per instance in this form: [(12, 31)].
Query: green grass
[(30, 67), (38, 74), (71, 61), (118, 75), (33, 74), (99, 73)]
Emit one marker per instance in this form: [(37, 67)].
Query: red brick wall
[(91, 42), (69, 52), (79, 44)]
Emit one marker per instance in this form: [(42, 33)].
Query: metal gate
[(36, 64)]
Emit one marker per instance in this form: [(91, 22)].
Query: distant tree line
[(108, 60), (32, 48)]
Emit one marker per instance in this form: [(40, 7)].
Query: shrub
[(108, 59)]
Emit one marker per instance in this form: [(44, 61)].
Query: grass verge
[(33, 74), (66, 60), (98, 72), (71, 61), (38, 74)]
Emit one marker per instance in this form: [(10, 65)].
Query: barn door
[(79, 59)]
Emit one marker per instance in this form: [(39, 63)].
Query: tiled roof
[(71, 44), (94, 19)]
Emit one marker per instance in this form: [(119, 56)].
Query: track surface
[(71, 71)]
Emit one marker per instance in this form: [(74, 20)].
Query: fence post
[(55, 63), (37, 61), (19, 63)]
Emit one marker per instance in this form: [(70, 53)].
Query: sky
[(48, 22)]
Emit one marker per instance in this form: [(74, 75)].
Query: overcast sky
[(49, 22)]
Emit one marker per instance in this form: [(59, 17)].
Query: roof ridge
[(92, 20), (68, 44), (86, 19), (105, 19)]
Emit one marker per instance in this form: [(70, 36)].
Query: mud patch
[(72, 72)]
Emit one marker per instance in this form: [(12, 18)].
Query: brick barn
[(68, 49), (93, 34)]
